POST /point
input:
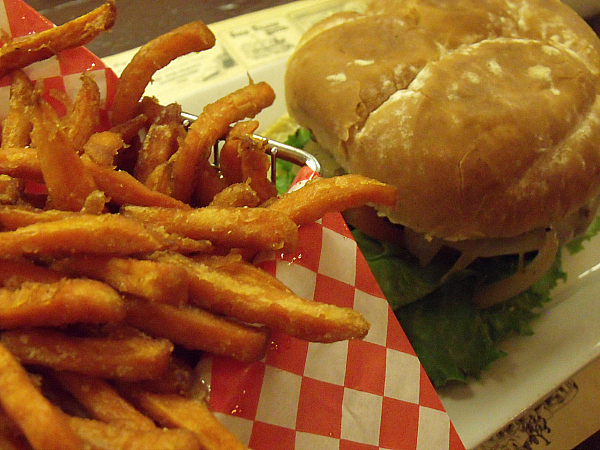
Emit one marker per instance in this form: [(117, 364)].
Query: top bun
[(484, 113)]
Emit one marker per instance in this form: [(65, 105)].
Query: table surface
[(137, 24)]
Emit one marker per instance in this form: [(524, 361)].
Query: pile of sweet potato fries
[(133, 252)]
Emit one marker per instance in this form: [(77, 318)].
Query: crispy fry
[(236, 195), (230, 286), (161, 141), (123, 188), (102, 401), (196, 329), (81, 233), (10, 190), (83, 118), (102, 147), (64, 174), (212, 124), (19, 162), (179, 379), (60, 303), (17, 125), (129, 129), (230, 162), (128, 358), (152, 280), (152, 56), (43, 424), (106, 436), (22, 51), (232, 227), (322, 195), (209, 183), (13, 216), (176, 411), (13, 273)]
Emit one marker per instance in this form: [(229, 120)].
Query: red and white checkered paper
[(360, 394)]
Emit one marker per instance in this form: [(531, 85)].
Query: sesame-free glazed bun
[(484, 113)]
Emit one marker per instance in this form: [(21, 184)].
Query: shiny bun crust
[(484, 113)]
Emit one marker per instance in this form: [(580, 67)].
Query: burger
[(485, 114)]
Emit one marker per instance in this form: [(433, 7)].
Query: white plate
[(567, 335)]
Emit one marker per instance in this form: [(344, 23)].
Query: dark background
[(141, 20)]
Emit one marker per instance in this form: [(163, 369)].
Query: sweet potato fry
[(103, 146), (21, 162), (230, 161), (82, 233), (176, 411), (322, 195), (231, 286), (45, 427), (179, 379), (231, 227), (10, 190), (102, 401), (11, 437), (212, 124), (161, 141), (152, 280), (16, 216), (17, 124), (106, 436), (83, 118), (60, 303), (236, 195), (13, 273), (196, 329), (128, 358), (123, 188), (152, 56), (64, 174), (22, 51)]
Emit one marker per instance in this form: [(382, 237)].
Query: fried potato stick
[(60, 303), (128, 358), (152, 280), (236, 195), (323, 195), (196, 329), (176, 411), (16, 216), (10, 190), (45, 426), (212, 124), (102, 401), (106, 436), (103, 146), (24, 50), (64, 174), (17, 125), (13, 273), (21, 162), (83, 119), (152, 56), (81, 233), (231, 286), (231, 227)]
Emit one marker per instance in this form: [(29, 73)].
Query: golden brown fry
[(45, 426), (176, 411), (161, 141), (102, 401), (19, 162), (22, 51), (209, 183), (152, 280), (178, 379), (230, 161), (322, 195), (130, 129), (82, 233), (16, 216), (106, 436), (231, 286), (64, 174), (236, 195), (124, 189), (102, 147), (83, 119), (231, 227), (10, 190), (17, 125), (196, 329), (152, 56), (129, 358), (212, 124), (60, 303), (13, 273)]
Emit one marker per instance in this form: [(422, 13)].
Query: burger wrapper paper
[(358, 394)]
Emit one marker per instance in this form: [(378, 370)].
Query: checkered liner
[(357, 394)]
